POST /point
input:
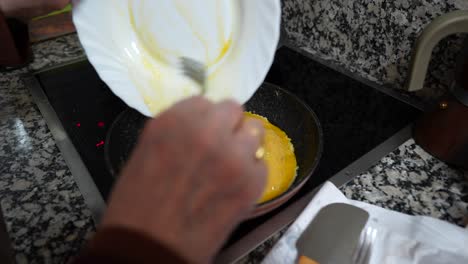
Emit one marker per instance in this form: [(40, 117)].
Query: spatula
[(334, 236)]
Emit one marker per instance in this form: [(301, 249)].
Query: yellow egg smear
[(279, 158), (155, 68)]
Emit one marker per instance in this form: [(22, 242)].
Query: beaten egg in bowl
[(279, 158)]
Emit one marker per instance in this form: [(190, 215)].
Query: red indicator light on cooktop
[(100, 144), (78, 124), (101, 124)]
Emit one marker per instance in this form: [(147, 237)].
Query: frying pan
[(280, 107)]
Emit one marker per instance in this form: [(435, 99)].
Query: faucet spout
[(443, 26)]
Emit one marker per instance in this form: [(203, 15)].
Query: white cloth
[(402, 239)]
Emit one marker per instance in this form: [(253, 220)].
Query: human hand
[(191, 179), (27, 9)]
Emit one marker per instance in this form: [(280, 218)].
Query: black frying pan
[(280, 107)]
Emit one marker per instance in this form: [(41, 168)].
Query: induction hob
[(360, 124)]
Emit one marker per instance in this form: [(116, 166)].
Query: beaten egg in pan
[(279, 158)]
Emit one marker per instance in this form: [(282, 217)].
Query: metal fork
[(363, 252), (195, 70)]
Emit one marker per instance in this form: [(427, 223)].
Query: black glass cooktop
[(355, 117)]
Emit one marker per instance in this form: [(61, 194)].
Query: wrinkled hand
[(192, 178), (27, 9)]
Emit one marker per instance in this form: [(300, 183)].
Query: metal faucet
[(442, 132), (443, 26)]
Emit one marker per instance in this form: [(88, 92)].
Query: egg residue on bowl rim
[(279, 158)]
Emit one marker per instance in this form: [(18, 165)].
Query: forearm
[(122, 246), (14, 42)]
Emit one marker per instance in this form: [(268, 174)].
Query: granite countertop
[(48, 220), (373, 39), (45, 213), (408, 180)]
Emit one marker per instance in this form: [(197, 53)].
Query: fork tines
[(194, 70)]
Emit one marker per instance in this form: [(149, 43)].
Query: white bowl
[(134, 45)]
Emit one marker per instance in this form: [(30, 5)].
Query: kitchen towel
[(401, 238)]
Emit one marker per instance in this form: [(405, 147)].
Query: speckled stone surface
[(408, 180), (373, 38), (411, 181), (45, 213), (49, 222)]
